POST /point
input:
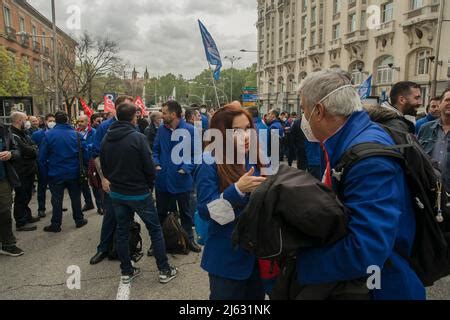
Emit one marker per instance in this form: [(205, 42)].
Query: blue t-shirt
[(2, 164)]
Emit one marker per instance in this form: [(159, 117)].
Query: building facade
[(34, 45), (391, 40)]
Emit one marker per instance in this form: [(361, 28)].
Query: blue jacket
[(276, 125), (205, 122), (100, 133), (382, 216), (421, 122), (59, 154), (219, 256), (259, 124), (39, 136), (313, 153), (168, 179)]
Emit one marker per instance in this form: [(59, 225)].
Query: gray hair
[(318, 85), (16, 116), (155, 115)]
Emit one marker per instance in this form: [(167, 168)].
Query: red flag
[(140, 104), (87, 110), (109, 106)]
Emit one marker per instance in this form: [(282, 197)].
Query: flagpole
[(214, 84)]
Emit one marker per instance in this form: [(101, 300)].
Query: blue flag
[(212, 53), (365, 89)]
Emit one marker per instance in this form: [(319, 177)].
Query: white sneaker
[(168, 275), (126, 279)]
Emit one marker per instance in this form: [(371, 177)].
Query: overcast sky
[(164, 34)]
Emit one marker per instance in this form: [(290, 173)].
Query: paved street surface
[(41, 272)]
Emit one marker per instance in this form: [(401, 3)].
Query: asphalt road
[(41, 274)]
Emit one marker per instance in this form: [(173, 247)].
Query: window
[(387, 11), (304, 5), (313, 38), (21, 24), (416, 4), (34, 32), (363, 20), (320, 36), (44, 41), (352, 22), (422, 62), (7, 16), (313, 15), (385, 73), (336, 6), (304, 24), (336, 31), (303, 44)]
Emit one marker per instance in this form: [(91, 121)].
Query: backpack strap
[(363, 151)]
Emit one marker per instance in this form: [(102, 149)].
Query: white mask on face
[(27, 125), (305, 125), (306, 128), (51, 124)]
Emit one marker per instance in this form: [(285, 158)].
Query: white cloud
[(163, 34)]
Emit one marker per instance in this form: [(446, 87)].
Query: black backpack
[(135, 242), (430, 257), (176, 239)]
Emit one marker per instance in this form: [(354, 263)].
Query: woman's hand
[(248, 183)]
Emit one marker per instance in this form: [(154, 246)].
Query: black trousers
[(22, 213), (6, 235)]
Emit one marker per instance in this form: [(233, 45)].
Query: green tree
[(14, 75)]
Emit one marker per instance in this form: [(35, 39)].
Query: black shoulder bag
[(83, 175)]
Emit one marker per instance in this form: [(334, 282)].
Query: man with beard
[(406, 99)]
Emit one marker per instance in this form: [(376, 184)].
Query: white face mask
[(305, 125), (306, 128), (51, 125), (27, 125)]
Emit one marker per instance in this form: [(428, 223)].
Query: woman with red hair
[(223, 191)]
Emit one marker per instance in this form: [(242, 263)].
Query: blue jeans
[(145, 209), (41, 192), (98, 196), (108, 225), (57, 190), (227, 289), (164, 203)]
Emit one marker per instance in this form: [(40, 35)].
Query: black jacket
[(142, 124), (26, 165), (126, 160), (299, 139), (11, 173), (391, 119), (150, 132)]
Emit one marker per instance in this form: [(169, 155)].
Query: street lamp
[(232, 59)]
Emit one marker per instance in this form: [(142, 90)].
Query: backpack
[(135, 242), (430, 257), (176, 239)]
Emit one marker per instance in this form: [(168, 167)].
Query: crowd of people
[(122, 165)]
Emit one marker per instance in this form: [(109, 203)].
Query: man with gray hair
[(374, 190), (151, 131)]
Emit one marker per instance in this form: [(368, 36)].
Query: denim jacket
[(428, 135)]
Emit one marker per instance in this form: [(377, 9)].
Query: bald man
[(87, 134), (26, 168)]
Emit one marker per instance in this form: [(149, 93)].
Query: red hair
[(222, 121)]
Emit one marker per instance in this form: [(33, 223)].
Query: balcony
[(428, 12), (316, 49), (25, 40), (336, 16), (280, 4), (47, 52), (290, 57), (385, 28), (36, 47), (335, 44), (10, 33), (303, 54), (356, 36), (270, 9)]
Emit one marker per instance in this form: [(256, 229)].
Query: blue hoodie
[(382, 216)]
